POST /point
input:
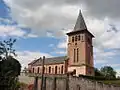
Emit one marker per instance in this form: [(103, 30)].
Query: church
[(79, 57)]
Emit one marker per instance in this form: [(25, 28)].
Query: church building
[(79, 57)]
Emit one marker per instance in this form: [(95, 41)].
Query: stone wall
[(73, 83)]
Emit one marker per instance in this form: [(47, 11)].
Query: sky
[(40, 27)]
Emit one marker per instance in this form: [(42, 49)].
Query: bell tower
[(80, 49)]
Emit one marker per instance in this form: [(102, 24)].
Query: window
[(44, 69), (82, 37), (33, 70), (38, 70), (75, 38), (55, 69), (79, 37), (89, 41), (72, 39), (49, 69), (61, 69), (89, 56), (77, 54), (74, 71), (74, 55)]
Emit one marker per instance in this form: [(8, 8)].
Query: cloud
[(97, 8), (8, 30), (118, 72), (43, 17), (32, 35), (103, 8), (50, 17), (25, 57), (62, 44)]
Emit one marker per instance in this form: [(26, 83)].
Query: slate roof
[(33, 62), (80, 23), (53, 60)]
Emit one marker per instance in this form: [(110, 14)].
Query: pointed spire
[(80, 23)]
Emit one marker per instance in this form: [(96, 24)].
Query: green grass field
[(114, 82)]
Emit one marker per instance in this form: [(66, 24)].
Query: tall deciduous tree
[(9, 67), (108, 72)]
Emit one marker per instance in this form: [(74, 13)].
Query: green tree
[(9, 66), (97, 72), (108, 72)]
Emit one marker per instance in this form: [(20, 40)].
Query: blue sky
[(40, 28)]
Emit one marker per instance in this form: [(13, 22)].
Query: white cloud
[(118, 72), (25, 57), (3, 20), (44, 19), (61, 52), (32, 35), (8, 30), (62, 44)]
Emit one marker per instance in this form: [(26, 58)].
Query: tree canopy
[(97, 72), (9, 66), (108, 72)]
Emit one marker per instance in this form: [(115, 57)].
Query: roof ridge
[(55, 57)]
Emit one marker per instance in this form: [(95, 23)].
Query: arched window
[(77, 54), (75, 38), (44, 69), (74, 55), (33, 70), (72, 39), (82, 37), (49, 69), (89, 56), (38, 70), (89, 41), (59, 70), (79, 37), (55, 69), (62, 69), (74, 71)]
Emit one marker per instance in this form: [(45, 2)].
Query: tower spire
[(80, 23)]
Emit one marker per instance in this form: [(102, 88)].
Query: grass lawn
[(114, 82)]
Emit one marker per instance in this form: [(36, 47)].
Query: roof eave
[(79, 31)]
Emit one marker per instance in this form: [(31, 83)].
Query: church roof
[(54, 60), (33, 62), (80, 26), (80, 23)]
